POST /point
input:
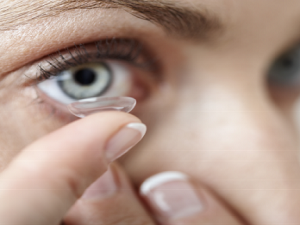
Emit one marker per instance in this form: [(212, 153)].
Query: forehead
[(252, 14), (232, 13)]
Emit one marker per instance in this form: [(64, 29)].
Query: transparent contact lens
[(89, 106)]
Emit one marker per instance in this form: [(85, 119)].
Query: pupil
[(85, 76)]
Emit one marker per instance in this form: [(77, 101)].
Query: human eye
[(285, 71), (107, 68), (283, 82)]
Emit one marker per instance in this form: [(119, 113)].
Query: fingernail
[(89, 106), (171, 196), (124, 140), (103, 187)]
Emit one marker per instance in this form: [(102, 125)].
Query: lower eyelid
[(52, 108)]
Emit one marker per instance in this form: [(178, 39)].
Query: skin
[(214, 117)]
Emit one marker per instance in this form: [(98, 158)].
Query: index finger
[(45, 180)]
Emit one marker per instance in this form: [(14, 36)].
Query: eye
[(108, 68), (286, 70), (89, 80)]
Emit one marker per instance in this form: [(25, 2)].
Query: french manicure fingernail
[(89, 106), (103, 187), (172, 196), (124, 140)]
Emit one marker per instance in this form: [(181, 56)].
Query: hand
[(46, 179), (171, 197), (42, 184)]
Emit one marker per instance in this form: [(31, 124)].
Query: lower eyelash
[(53, 111)]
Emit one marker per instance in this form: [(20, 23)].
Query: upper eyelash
[(128, 50)]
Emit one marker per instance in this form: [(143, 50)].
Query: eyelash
[(128, 50)]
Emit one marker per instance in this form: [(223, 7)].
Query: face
[(217, 87)]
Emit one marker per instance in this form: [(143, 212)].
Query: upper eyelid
[(79, 54)]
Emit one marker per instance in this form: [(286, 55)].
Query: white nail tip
[(160, 179), (139, 127)]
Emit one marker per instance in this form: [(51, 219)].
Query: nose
[(228, 135), (227, 119), (221, 127)]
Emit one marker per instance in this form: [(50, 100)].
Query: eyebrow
[(177, 20)]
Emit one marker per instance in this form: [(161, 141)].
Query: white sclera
[(121, 84), (89, 106)]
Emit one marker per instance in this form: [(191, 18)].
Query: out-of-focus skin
[(214, 118)]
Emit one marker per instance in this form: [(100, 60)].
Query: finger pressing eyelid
[(54, 171), (174, 200), (109, 200)]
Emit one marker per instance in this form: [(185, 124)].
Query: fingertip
[(171, 196), (112, 114), (68, 159), (174, 198), (159, 179)]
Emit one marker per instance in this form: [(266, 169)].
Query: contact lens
[(89, 106)]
